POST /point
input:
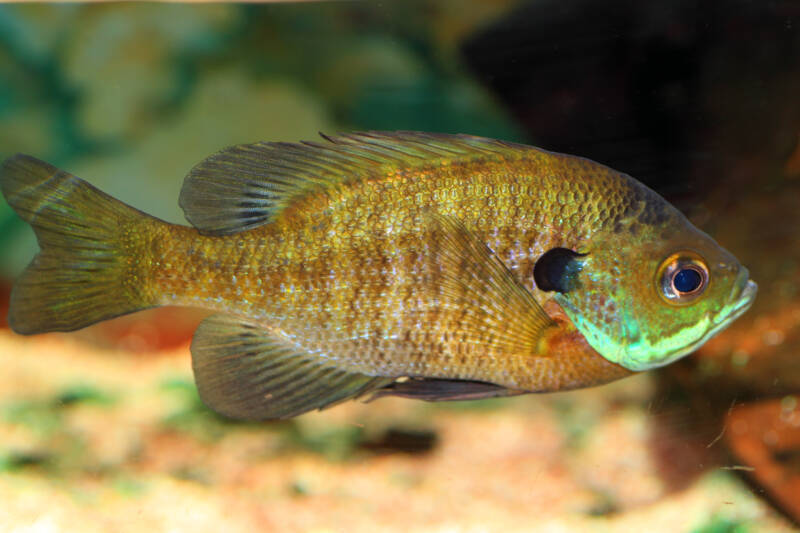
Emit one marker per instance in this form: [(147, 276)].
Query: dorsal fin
[(245, 186)]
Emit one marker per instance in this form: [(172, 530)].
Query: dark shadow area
[(674, 93), (398, 440), (700, 101)]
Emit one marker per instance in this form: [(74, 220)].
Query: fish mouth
[(743, 295), (742, 299), (746, 298)]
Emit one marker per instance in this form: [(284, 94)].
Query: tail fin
[(79, 276)]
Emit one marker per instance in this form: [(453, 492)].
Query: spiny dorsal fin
[(498, 308), (244, 372), (245, 186)]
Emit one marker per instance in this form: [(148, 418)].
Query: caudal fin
[(80, 275)]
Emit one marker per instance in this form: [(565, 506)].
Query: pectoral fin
[(244, 372), (497, 308)]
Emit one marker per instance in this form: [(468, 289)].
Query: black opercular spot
[(557, 269)]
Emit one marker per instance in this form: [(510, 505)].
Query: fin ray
[(497, 307)]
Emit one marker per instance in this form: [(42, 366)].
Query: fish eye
[(682, 278)]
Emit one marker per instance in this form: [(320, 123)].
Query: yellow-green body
[(346, 272), (337, 269)]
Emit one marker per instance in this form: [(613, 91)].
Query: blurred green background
[(131, 96)]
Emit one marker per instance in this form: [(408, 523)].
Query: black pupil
[(687, 280)]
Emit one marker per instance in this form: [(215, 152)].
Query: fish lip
[(746, 299), (739, 286), (744, 294)]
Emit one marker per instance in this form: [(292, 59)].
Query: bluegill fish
[(420, 265)]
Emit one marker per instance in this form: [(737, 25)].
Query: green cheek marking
[(622, 341), (643, 355)]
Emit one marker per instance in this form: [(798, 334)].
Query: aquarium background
[(103, 430)]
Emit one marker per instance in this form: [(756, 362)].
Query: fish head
[(653, 289)]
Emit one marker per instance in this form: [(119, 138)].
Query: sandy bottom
[(99, 440)]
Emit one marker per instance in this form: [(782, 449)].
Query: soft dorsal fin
[(244, 372), (245, 186)]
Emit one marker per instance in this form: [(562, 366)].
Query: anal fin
[(243, 372)]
